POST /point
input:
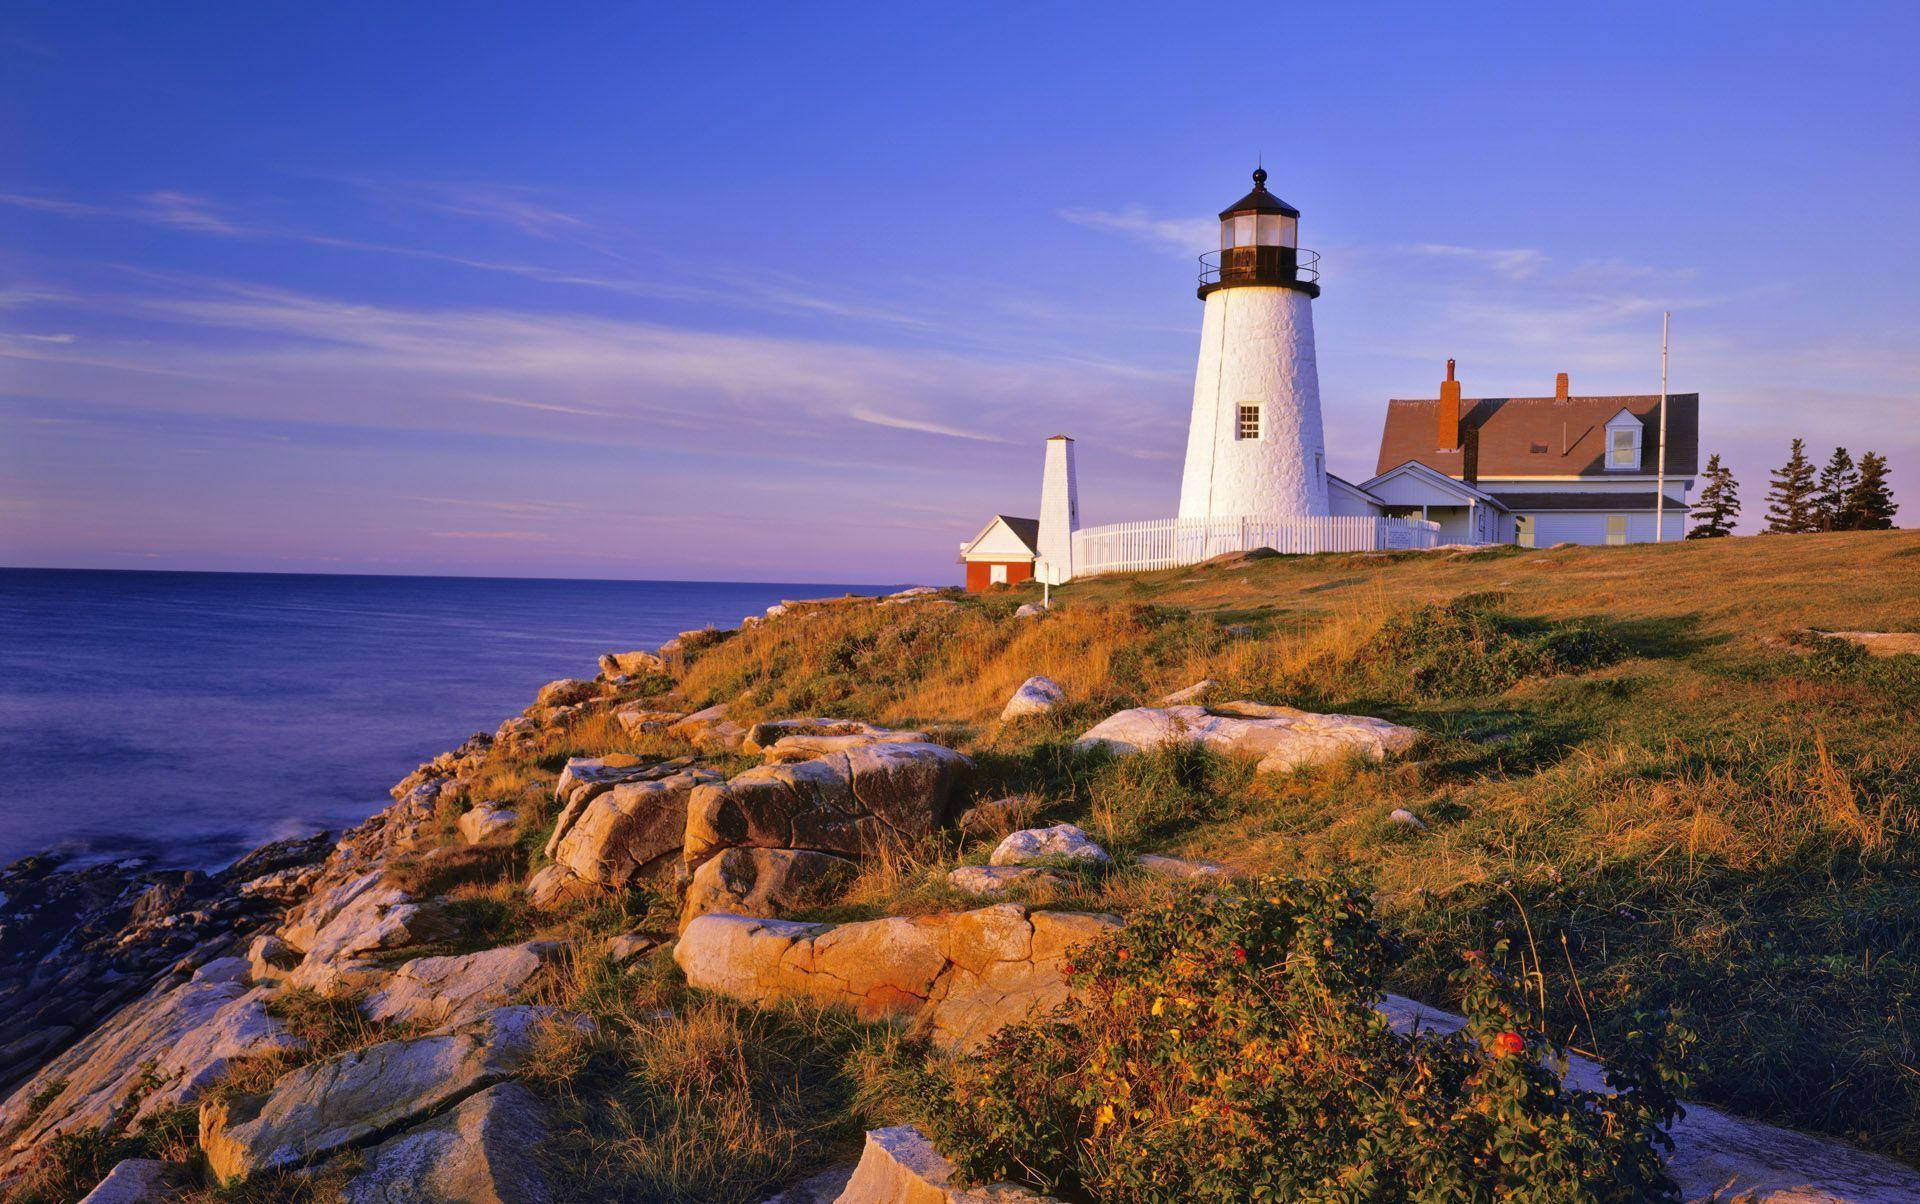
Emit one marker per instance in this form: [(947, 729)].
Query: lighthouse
[(1254, 444)]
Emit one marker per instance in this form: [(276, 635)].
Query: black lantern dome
[(1260, 245)]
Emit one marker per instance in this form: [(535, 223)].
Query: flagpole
[(1660, 477)]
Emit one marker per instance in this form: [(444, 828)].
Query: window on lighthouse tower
[(1249, 427)]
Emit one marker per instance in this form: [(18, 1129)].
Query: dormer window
[(1623, 443)]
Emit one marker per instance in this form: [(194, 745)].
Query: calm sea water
[(189, 717)]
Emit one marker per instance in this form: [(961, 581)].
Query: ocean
[(186, 718)]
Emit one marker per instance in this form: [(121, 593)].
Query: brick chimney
[(1449, 412), (1560, 387)]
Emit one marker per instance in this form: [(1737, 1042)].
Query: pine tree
[(1869, 505), (1790, 499), (1719, 502), (1836, 486)]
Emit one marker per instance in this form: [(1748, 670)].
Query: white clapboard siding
[(1167, 542)]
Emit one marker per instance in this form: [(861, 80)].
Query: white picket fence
[(1167, 542)]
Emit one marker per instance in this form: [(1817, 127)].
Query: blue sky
[(795, 293)]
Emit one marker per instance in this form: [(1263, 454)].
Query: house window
[(1623, 443), (996, 574), (1249, 427), (1616, 529), (1523, 530)]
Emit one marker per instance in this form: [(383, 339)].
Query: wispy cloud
[(1191, 235), (895, 422), (1520, 263)]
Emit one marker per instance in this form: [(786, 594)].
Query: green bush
[(1226, 1047), (1467, 648)]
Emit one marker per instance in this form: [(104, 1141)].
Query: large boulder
[(485, 1151), (567, 691), (340, 931), (630, 664), (959, 977), (345, 1101), (631, 832), (984, 880), (1279, 737), (900, 1166), (765, 882), (1036, 696), (486, 821), (552, 887), (853, 803), (587, 778), (453, 990), (1062, 844)]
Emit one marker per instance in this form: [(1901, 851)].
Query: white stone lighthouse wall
[(1256, 346)]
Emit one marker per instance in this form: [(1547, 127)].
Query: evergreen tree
[(1719, 502), (1836, 487), (1869, 505), (1790, 499)]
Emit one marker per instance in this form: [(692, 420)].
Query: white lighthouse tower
[(1254, 446)]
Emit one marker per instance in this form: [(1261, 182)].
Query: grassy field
[(1690, 811), (1637, 768)]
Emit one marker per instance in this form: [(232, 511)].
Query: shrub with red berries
[(1226, 1047)]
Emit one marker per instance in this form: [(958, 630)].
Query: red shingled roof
[(1539, 436)]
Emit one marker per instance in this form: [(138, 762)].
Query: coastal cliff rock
[(161, 1052), (853, 803), (1281, 738), (765, 882), (78, 944), (327, 1106), (453, 990), (630, 832), (960, 977), (631, 664), (485, 1151), (710, 730)]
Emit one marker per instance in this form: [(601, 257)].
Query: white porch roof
[(1414, 484)]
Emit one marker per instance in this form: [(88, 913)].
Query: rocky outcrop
[(900, 1166), (1036, 696), (485, 1151), (586, 778), (338, 930), (959, 977), (630, 664), (632, 832), (639, 720), (454, 990), (136, 1181), (78, 944), (1281, 738), (553, 887), (1188, 694), (161, 1052), (852, 803), (1060, 845), (710, 730), (786, 740), (347, 1101), (765, 882), (568, 691), (486, 821)]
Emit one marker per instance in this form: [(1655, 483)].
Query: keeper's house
[(1002, 554), (1536, 471)]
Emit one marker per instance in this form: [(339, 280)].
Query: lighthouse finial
[(1259, 177)]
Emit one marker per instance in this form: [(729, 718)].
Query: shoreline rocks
[(1280, 737)]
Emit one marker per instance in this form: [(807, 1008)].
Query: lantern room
[(1260, 245)]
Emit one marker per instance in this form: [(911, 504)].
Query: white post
[(1660, 475)]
